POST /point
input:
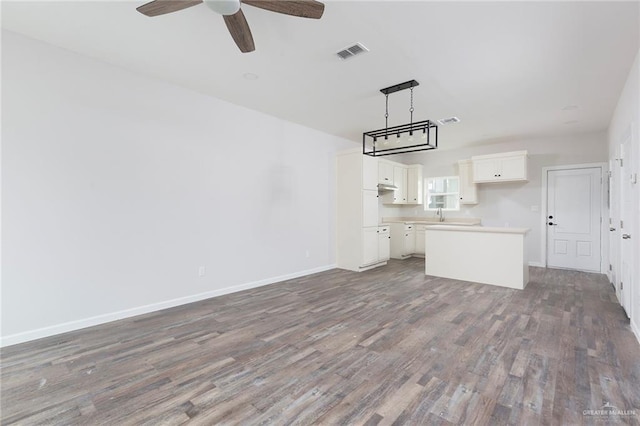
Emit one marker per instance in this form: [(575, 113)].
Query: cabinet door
[(384, 251), (414, 185), (468, 189), (400, 180), (369, 208), (369, 245), (385, 172), (409, 242), (485, 170), (513, 168), (502, 168), (369, 172), (419, 242)]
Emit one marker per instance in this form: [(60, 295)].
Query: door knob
[(612, 229), (551, 223), (626, 236), (550, 217)]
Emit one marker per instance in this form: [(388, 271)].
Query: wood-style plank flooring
[(387, 346)]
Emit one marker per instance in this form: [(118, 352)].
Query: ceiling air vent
[(351, 51), (449, 120)]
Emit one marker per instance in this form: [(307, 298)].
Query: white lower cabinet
[(403, 240), (369, 245), (420, 231), (409, 242), (384, 243)]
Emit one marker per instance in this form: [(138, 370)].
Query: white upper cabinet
[(414, 184), (400, 180), (408, 180), (468, 189), (369, 173), (504, 167), (385, 172), (514, 167)]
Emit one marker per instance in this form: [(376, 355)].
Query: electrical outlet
[(201, 271)]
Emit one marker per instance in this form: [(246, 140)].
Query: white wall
[(508, 204), (625, 117), (117, 187)]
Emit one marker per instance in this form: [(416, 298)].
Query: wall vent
[(351, 51), (449, 120)]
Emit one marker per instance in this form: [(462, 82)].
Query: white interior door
[(614, 224), (627, 178), (573, 218)]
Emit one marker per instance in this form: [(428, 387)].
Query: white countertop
[(488, 229)]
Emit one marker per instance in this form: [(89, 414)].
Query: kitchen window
[(442, 193)]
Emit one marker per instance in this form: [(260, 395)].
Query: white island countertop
[(478, 229)]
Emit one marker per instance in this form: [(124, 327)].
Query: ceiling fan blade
[(302, 8), (160, 7), (239, 29)]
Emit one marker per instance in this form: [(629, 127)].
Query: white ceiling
[(507, 69)]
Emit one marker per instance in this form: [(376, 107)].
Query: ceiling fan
[(233, 16)]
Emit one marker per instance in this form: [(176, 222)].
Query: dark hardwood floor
[(387, 346)]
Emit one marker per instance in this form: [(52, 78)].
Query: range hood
[(386, 187)]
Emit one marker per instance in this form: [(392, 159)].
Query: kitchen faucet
[(439, 213)]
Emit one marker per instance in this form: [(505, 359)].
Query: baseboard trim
[(636, 330), (26, 336), (537, 264)]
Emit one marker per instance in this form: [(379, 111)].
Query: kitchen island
[(479, 254)]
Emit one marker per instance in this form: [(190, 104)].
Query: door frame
[(604, 241)]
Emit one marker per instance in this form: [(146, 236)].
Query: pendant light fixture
[(411, 137)]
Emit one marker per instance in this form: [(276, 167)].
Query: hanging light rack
[(390, 140)]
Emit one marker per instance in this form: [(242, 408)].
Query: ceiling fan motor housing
[(223, 7)]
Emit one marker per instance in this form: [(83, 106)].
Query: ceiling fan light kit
[(402, 139), (232, 13), (223, 7)]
